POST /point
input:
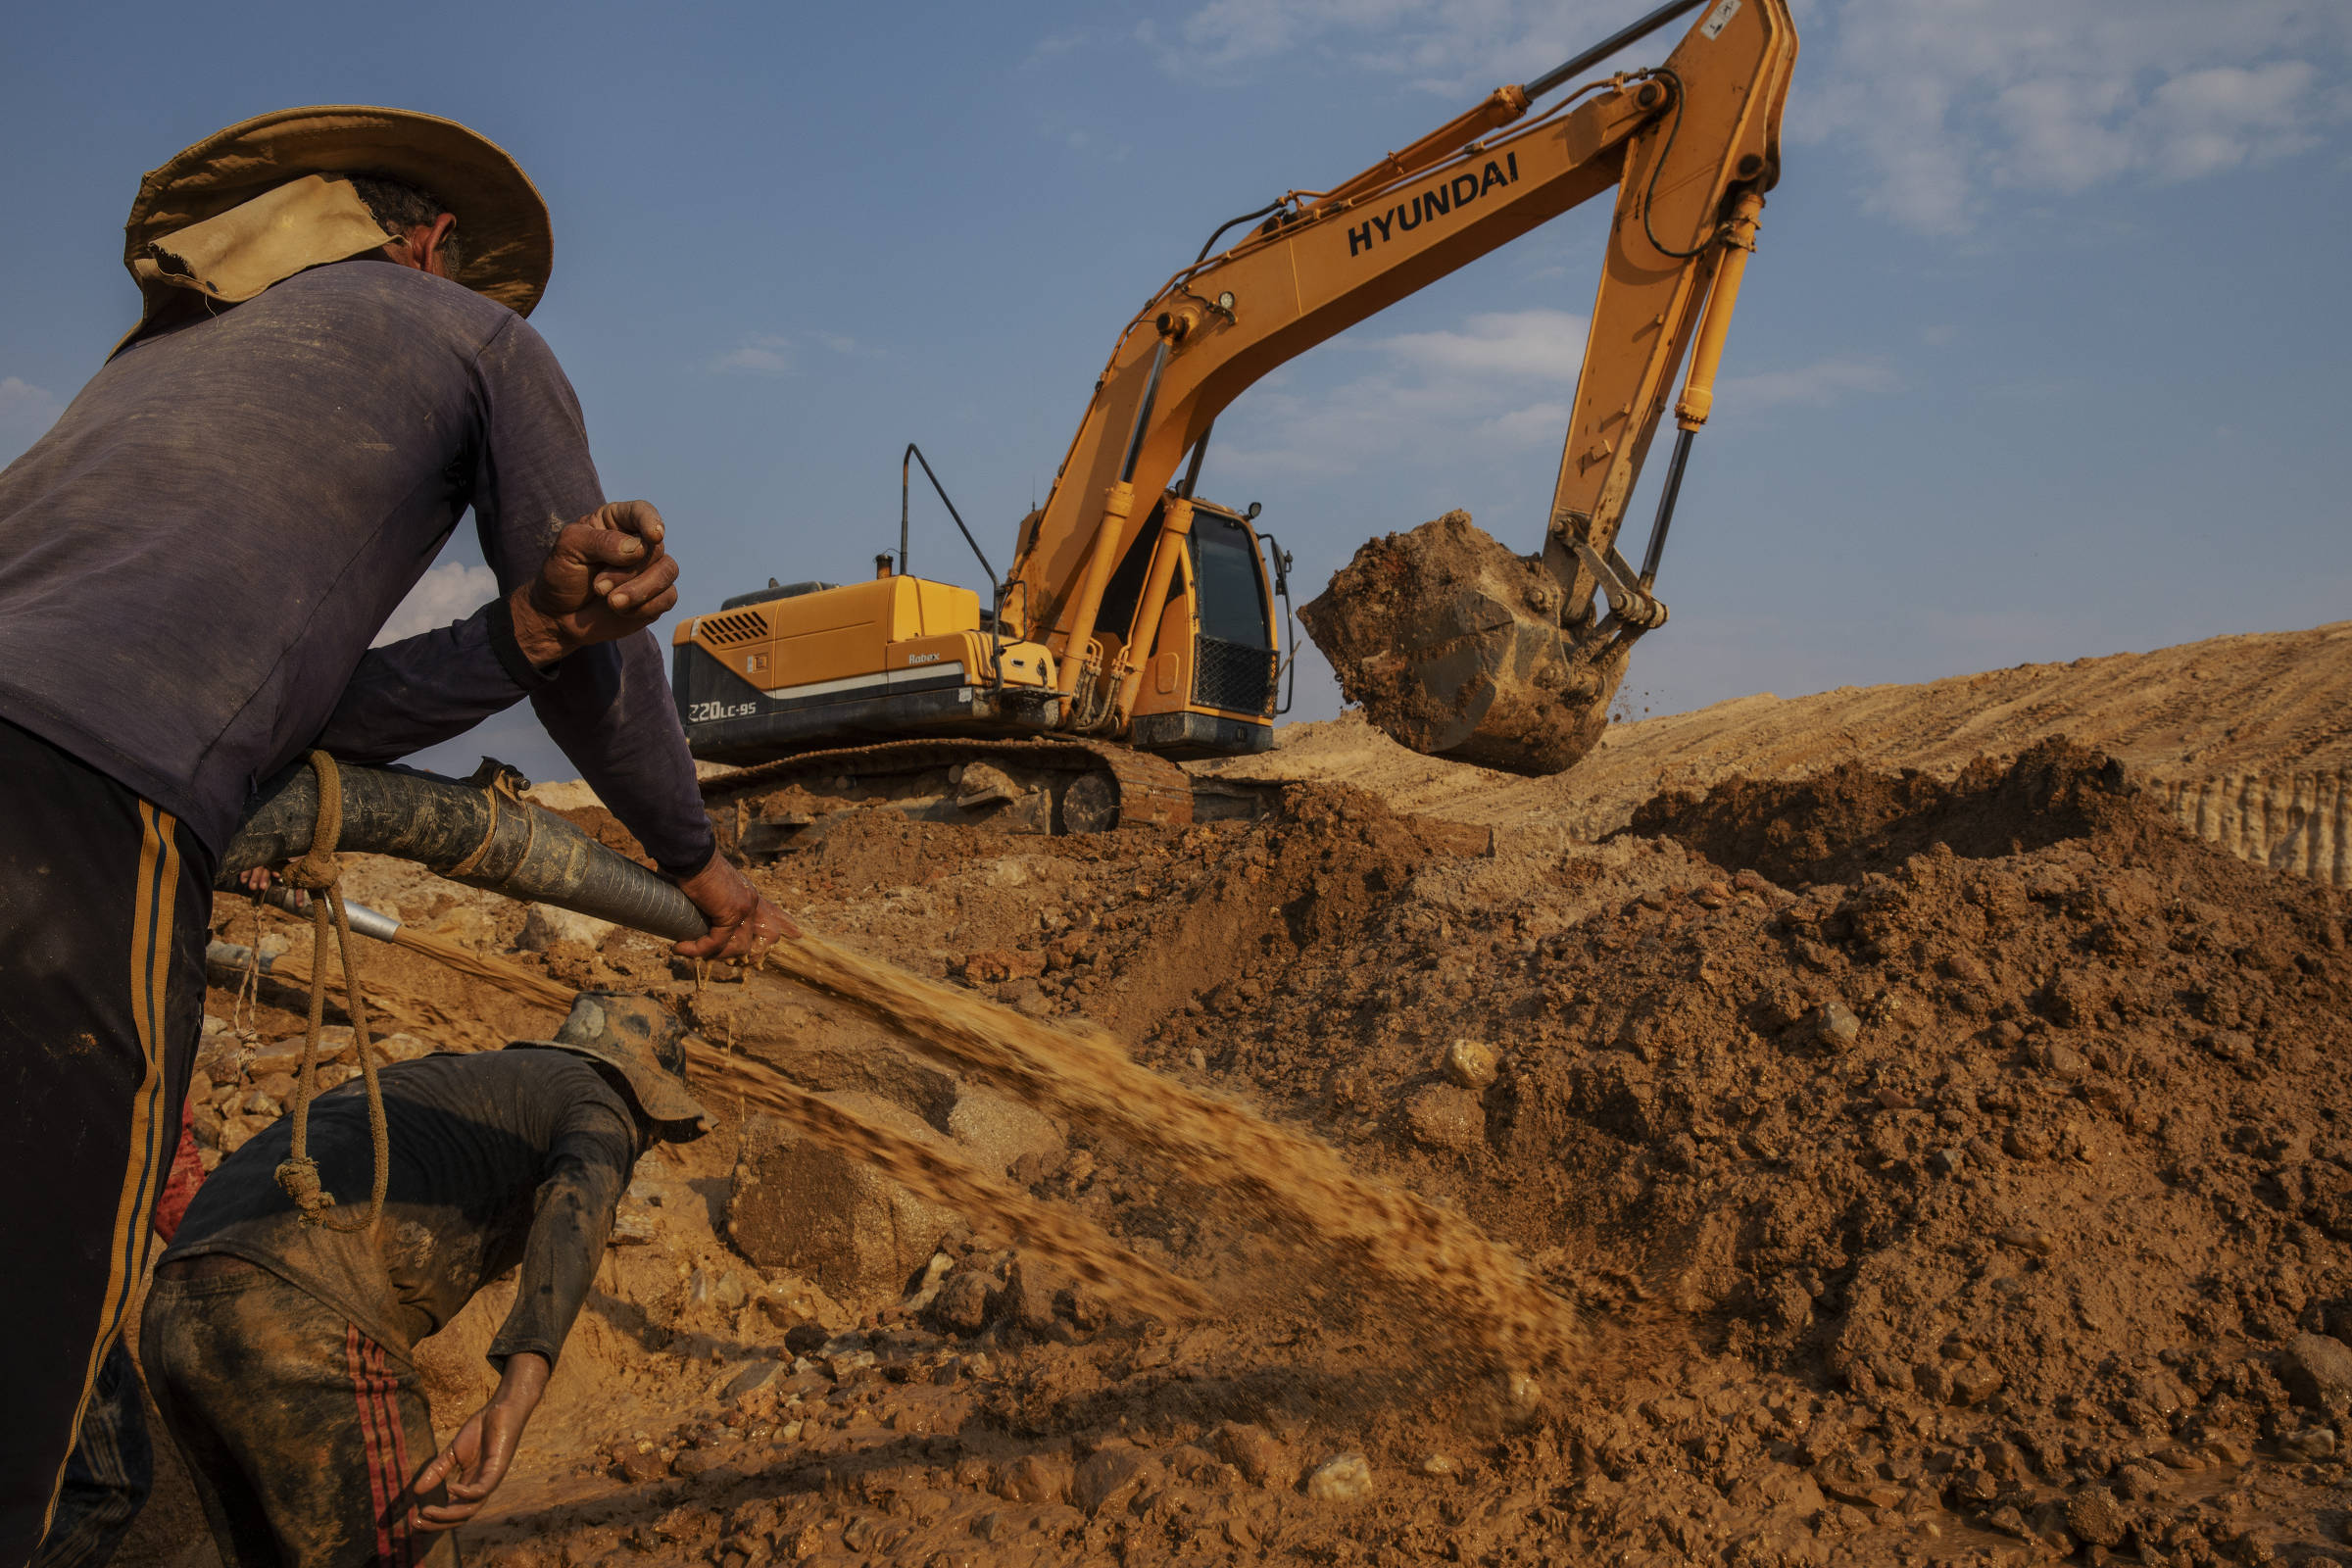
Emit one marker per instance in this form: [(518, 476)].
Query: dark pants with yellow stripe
[(104, 903)]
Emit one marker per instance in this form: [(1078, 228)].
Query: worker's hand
[(606, 576), (477, 1458), (743, 923)]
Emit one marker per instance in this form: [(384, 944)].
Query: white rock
[(546, 925), (927, 1290), (403, 1047), (1346, 1479)]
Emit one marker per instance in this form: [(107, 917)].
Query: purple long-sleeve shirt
[(195, 557)]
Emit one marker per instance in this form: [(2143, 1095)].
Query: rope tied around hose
[(504, 785), (320, 873)]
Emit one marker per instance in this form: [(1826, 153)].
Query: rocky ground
[(1952, 1166)]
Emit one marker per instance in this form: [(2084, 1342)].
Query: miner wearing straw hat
[(331, 365)]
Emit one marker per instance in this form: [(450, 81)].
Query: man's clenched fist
[(606, 576)]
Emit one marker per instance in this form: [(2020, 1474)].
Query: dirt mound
[(1838, 825), (1452, 646), (2243, 738), (2000, 1178), (1946, 1171)]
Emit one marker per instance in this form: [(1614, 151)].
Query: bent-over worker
[(278, 1351), (331, 365)]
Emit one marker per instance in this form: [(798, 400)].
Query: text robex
[(1451, 196)]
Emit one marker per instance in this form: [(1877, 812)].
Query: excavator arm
[(1689, 147)]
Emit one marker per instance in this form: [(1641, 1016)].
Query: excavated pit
[(1452, 646)]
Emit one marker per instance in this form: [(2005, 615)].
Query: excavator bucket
[(1453, 647)]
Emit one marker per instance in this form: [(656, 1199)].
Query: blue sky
[(2042, 354)]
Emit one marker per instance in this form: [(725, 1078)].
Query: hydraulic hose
[(474, 836)]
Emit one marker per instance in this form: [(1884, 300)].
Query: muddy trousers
[(104, 902), (300, 1432)]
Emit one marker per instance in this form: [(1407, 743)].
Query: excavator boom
[(1689, 147)]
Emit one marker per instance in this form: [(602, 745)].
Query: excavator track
[(1036, 786)]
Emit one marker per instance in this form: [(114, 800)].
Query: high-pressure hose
[(484, 838)]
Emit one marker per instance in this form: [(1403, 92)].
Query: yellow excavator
[(1135, 625)]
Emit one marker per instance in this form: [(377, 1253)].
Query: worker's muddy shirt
[(196, 555), (505, 1158)]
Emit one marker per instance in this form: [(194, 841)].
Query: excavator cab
[(1211, 658)]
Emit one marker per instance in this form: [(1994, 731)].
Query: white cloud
[(780, 353), (1943, 101), (26, 412), (1947, 101), (763, 354), (1054, 45), (448, 591), (1546, 344), (1500, 382), (1816, 385), (1093, 144), (1426, 392), (1537, 424), (2218, 118), (1439, 45)]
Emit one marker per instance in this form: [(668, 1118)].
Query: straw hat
[(645, 1045), (503, 229)]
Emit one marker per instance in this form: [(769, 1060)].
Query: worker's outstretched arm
[(588, 1164), (478, 1457)]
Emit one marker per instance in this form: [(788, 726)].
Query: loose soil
[(1943, 1168)]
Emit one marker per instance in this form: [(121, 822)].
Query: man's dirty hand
[(743, 923), (606, 576), (479, 1457)]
